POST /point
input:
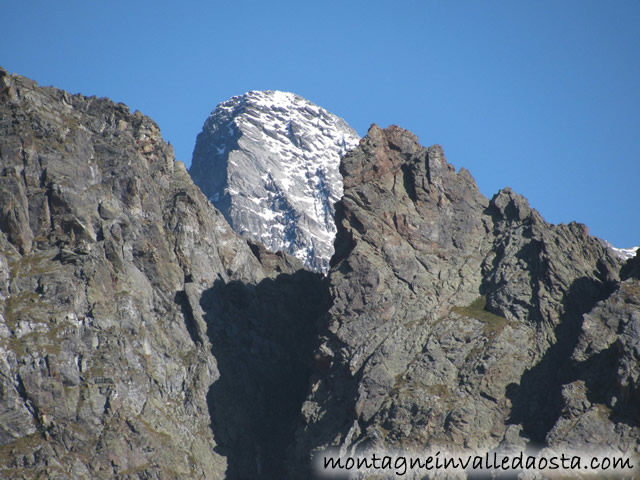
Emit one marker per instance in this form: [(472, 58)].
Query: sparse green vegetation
[(22, 303), (439, 390), (33, 264), (23, 445), (493, 324), (30, 307), (33, 341), (632, 289)]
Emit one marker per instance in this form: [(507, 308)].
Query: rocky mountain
[(142, 338), (462, 322), (269, 162)]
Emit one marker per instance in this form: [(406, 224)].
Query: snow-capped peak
[(269, 160)]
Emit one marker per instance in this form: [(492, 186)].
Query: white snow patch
[(625, 253)]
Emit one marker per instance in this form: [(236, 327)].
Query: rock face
[(141, 338), (134, 323), (458, 321), (269, 161)]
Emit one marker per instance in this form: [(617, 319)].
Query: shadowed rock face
[(458, 321), (141, 338)]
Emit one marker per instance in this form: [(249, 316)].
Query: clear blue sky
[(542, 96)]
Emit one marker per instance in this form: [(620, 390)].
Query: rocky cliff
[(141, 338), (462, 322), (269, 161), (110, 367)]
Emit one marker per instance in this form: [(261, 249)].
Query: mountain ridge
[(143, 338)]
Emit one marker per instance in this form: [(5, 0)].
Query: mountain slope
[(269, 161), (113, 268), (457, 321)]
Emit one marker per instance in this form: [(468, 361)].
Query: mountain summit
[(268, 160)]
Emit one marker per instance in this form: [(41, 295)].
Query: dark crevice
[(255, 249), (427, 167), (344, 242), (182, 301), (33, 410), (409, 181)]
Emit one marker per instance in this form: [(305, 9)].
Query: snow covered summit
[(269, 160)]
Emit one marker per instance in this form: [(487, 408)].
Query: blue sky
[(542, 96)]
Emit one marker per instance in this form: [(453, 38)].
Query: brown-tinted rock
[(454, 317)]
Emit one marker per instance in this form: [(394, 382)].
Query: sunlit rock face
[(269, 161)]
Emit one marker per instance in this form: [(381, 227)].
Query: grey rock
[(111, 364), (456, 320)]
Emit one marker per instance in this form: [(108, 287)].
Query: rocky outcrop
[(606, 382), (136, 328), (459, 322), (269, 161)]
